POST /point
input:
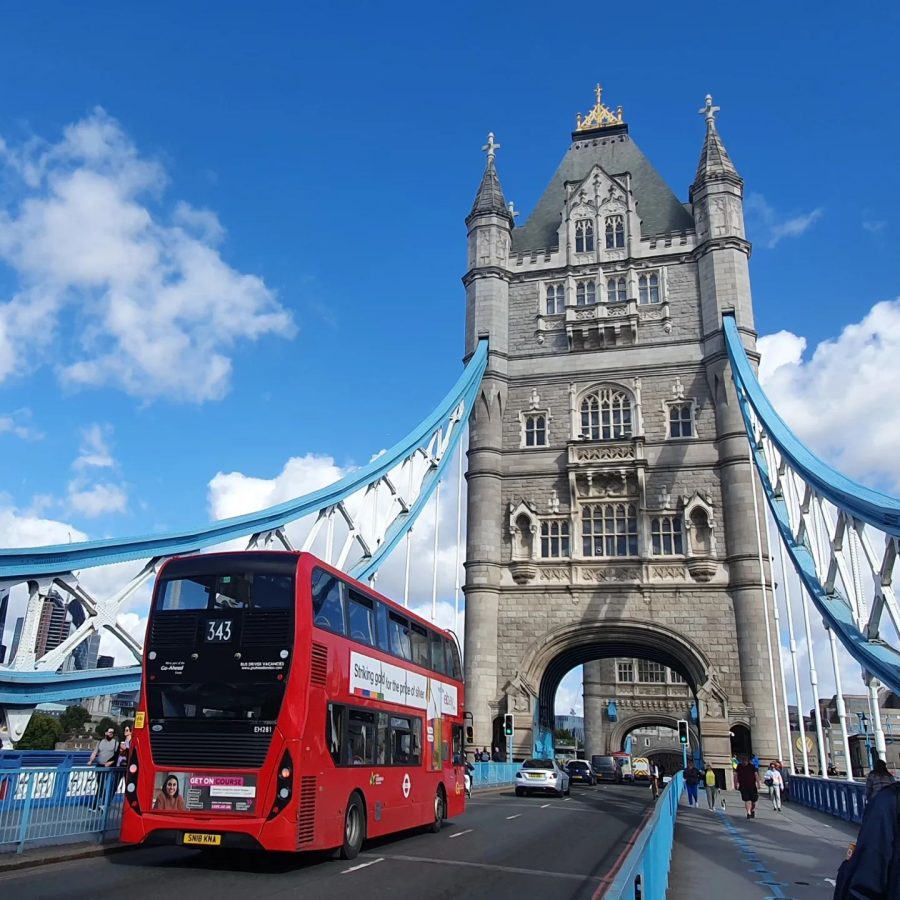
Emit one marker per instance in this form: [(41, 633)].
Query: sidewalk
[(793, 854), (43, 856)]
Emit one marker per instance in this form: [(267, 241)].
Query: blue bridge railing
[(489, 774), (844, 799), (644, 873), (41, 806)]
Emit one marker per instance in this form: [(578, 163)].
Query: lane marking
[(831, 881), (363, 865), (461, 833), (545, 806), (514, 870), (516, 816)]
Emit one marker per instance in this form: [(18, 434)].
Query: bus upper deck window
[(328, 608), (177, 594)]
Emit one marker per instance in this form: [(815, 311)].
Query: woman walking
[(709, 781), (775, 783)]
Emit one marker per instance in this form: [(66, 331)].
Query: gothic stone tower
[(610, 495)]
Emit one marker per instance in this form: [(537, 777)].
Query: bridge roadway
[(502, 847)]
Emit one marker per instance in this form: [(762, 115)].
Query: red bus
[(285, 706)]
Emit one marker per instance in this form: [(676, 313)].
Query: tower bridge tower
[(610, 509)]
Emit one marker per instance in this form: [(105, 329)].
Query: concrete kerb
[(45, 856)]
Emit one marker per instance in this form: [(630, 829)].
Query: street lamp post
[(863, 722)]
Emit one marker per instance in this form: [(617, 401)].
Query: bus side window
[(454, 667), (361, 618), (399, 636), (381, 757), (381, 627), (405, 741), (334, 732), (458, 755), (438, 663), (328, 611), (419, 640), (361, 735)]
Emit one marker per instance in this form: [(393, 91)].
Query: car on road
[(541, 776), (580, 770), (606, 769)]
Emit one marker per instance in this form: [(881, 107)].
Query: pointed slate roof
[(714, 160), (616, 153), (489, 198)]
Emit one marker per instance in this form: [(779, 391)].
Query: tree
[(42, 733), (563, 734), (73, 719), (103, 724)]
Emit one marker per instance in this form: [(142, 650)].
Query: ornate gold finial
[(600, 116)]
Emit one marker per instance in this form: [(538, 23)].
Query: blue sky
[(315, 166)]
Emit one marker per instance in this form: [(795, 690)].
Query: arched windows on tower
[(606, 415), (616, 290), (609, 529), (615, 232), (556, 299), (648, 288), (584, 236), (585, 293)]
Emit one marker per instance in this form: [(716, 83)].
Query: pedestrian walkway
[(793, 854)]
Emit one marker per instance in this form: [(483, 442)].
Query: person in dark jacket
[(873, 871), (691, 781)]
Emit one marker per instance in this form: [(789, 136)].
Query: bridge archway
[(622, 729), (549, 658)]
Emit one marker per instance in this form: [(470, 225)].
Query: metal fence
[(489, 774), (644, 873), (844, 799), (41, 806)]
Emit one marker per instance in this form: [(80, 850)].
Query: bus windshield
[(250, 590)]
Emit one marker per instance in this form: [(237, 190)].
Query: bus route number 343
[(218, 631)]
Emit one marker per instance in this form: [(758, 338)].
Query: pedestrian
[(103, 757), (485, 756), (691, 781), (746, 780), (656, 777), (709, 781), (498, 756), (879, 778), (755, 762), (775, 783), (872, 867)]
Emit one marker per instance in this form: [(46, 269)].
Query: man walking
[(709, 780), (746, 780), (691, 781), (103, 757)]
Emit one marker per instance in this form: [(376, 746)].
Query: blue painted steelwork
[(33, 561), (844, 799), (491, 774), (58, 805), (876, 509), (644, 873), (879, 510), (20, 688)]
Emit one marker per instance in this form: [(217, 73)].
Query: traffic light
[(470, 734), (683, 731), (508, 725)]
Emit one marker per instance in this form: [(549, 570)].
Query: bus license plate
[(203, 840)]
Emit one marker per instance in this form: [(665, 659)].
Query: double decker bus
[(285, 706)]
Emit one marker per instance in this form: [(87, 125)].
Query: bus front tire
[(440, 811), (354, 828)]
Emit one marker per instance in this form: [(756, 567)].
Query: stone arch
[(598, 388), (624, 727), (551, 656)]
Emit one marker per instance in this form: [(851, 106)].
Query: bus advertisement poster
[(203, 792)]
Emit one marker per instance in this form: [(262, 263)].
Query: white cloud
[(86, 496), (98, 499), (874, 226), (772, 227), (17, 424), (94, 451), (148, 305), (839, 400)]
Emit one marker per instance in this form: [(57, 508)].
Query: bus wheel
[(354, 828), (440, 811)]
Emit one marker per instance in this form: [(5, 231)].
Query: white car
[(541, 775)]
